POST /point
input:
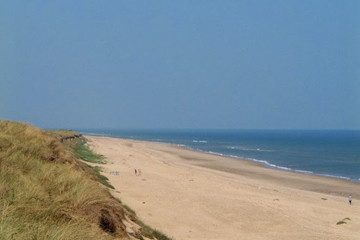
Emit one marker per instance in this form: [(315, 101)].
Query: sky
[(186, 64)]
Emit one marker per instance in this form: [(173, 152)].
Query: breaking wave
[(248, 149)]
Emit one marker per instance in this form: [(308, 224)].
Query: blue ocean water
[(333, 153)]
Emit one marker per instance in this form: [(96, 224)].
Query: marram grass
[(47, 192)]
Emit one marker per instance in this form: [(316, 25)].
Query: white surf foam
[(248, 149), (335, 176)]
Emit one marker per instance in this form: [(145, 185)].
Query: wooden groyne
[(72, 137)]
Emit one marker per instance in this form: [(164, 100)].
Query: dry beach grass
[(47, 192)]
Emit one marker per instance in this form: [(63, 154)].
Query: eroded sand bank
[(193, 195)]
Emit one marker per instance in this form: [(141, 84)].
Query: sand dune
[(192, 195)]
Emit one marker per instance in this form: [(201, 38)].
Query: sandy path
[(183, 194)]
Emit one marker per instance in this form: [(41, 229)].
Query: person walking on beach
[(135, 172), (350, 199)]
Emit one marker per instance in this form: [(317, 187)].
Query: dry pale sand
[(192, 195)]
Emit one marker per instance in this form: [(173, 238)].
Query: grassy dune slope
[(46, 192)]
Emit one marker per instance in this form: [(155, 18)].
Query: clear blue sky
[(181, 64)]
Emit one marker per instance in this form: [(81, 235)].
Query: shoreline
[(262, 163), (195, 195), (244, 161)]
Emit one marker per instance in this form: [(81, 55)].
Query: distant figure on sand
[(135, 172), (350, 198)]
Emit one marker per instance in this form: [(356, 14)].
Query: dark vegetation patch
[(83, 152), (102, 179), (344, 221)]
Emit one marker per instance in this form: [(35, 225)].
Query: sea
[(330, 153)]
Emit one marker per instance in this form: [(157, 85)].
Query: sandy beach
[(194, 195)]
